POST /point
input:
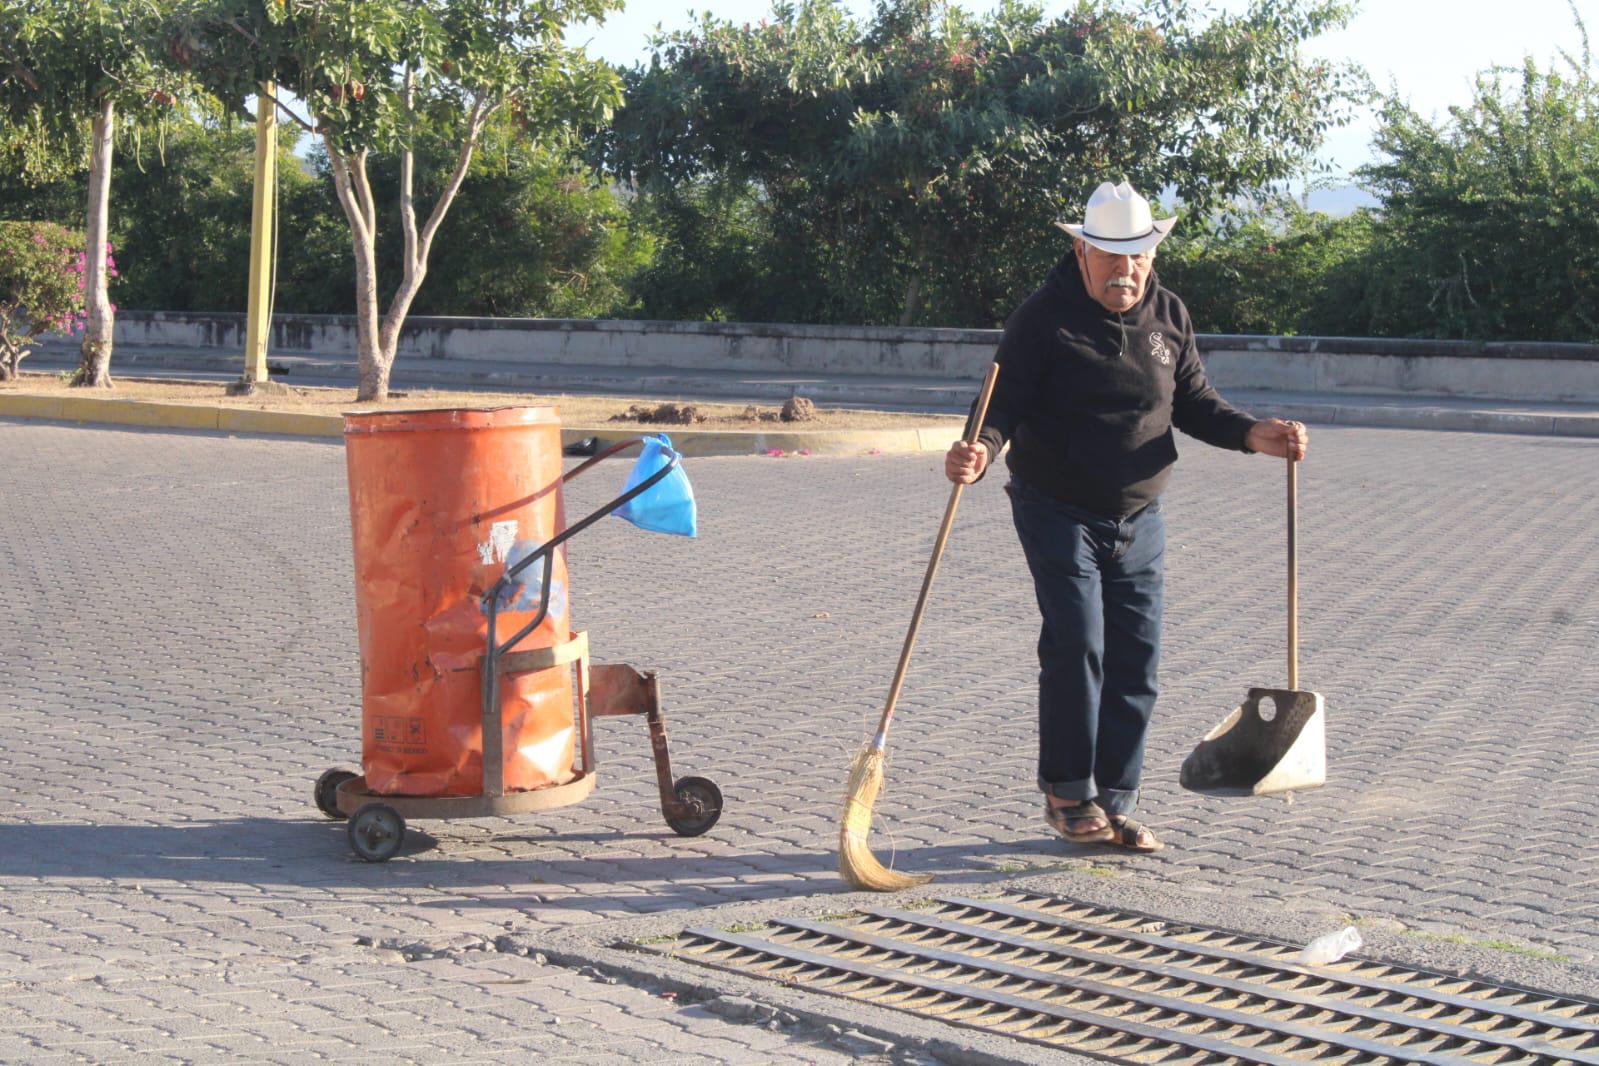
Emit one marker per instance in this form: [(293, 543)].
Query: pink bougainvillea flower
[(775, 453), (805, 451)]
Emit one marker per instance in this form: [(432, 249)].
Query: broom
[(856, 863)]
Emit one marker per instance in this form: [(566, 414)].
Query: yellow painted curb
[(138, 413), (31, 406), (689, 441), (247, 420)]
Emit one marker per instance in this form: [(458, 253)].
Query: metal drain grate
[(1131, 988)]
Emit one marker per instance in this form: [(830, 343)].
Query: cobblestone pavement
[(178, 663)]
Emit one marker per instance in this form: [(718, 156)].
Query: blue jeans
[(1100, 586)]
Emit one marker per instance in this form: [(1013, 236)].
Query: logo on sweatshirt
[(1157, 348)]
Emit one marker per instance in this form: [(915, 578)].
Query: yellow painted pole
[(258, 323)]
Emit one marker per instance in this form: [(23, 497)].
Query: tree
[(532, 232), (1278, 269), (68, 69), (1489, 229), (383, 76), (712, 257), (189, 212), (186, 211), (921, 154), (41, 287)]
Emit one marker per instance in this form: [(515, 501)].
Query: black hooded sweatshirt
[(1088, 397)]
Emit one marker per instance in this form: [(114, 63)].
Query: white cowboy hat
[(1118, 220)]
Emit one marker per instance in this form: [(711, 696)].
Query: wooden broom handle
[(975, 427), (1293, 576)]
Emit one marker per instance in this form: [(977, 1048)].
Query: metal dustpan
[(1276, 740)]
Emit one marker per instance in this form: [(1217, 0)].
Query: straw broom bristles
[(856, 863)]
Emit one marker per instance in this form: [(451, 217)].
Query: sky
[(1429, 50)]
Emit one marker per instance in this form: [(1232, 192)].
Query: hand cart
[(691, 805)]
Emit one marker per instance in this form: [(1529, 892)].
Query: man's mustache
[(1121, 283)]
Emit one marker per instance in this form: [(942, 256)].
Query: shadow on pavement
[(315, 854)]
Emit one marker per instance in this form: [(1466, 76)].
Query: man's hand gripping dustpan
[(1250, 754)]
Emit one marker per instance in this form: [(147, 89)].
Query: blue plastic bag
[(668, 505)]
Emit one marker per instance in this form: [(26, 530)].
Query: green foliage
[(24, 197), (1281, 271), (1489, 229), (41, 286), (59, 59), (381, 77), (185, 214), (712, 258), (188, 215), (1486, 229), (73, 74), (372, 74), (922, 154), (531, 233), (812, 167)]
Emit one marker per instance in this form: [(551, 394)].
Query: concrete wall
[(677, 345), (1527, 371), (1510, 371)]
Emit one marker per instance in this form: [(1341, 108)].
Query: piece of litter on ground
[(775, 453), (1331, 947), (875, 451), (805, 451), (822, 614)]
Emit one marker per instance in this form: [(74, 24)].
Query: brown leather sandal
[(1126, 833), (1070, 822)]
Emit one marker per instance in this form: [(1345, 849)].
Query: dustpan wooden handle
[(1293, 576)]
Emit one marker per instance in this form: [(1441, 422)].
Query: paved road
[(179, 663)]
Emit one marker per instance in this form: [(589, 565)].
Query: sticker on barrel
[(404, 735)]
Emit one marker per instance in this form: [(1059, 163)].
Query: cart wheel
[(705, 802), (327, 789), (376, 832)]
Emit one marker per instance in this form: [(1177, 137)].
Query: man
[(1097, 367)]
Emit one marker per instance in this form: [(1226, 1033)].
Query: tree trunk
[(377, 344), (372, 361), (912, 290), (94, 359), (355, 196), (419, 242), (11, 353)]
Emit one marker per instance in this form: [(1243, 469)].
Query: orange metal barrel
[(441, 502)]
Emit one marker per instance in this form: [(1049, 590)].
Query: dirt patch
[(799, 409), (575, 410), (669, 414)]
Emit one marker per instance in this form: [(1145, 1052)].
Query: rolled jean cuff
[(1118, 802), (1083, 790)]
